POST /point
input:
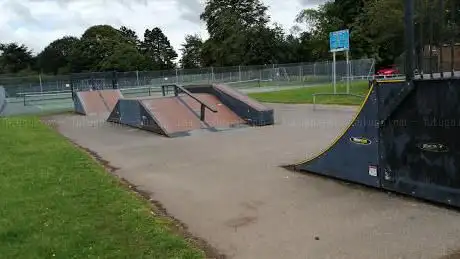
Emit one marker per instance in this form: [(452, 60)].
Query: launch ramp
[(96, 102)]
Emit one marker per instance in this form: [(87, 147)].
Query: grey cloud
[(312, 2), (191, 10), (20, 10)]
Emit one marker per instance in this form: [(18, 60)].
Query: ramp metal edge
[(329, 147), (82, 103), (103, 100), (251, 102)]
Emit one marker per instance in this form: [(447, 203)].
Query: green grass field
[(305, 95), (58, 202)]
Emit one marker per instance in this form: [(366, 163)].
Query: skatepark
[(231, 188), (112, 148)]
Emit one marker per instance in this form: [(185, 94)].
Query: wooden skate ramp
[(252, 111), (171, 115), (110, 97), (178, 116), (96, 102), (174, 116), (223, 118)]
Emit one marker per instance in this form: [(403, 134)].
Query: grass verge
[(58, 202), (305, 95)]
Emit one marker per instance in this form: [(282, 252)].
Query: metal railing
[(267, 75), (432, 34), (177, 88)]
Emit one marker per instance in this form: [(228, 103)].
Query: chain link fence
[(298, 74)]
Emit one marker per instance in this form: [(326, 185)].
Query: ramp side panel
[(79, 104), (224, 118), (172, 115), (111, 97), (148, 122), (354, 155), (130, 112), (114, 115), (248, 109), (421, 149)]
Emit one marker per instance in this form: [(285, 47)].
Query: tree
[(319, 23), (158, 50), (15, 58), (102, 44), (125, 57), (382, 32), (192, 52), (239, 33), (56, 57), (130, 36), (222, 15)]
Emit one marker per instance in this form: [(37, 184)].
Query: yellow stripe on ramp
[(343, 133)]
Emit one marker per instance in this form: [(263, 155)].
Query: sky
[(36, 23)]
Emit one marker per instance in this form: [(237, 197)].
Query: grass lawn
[(58, 202), (305, 95)]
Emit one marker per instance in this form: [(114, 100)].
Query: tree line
[(240, 33)]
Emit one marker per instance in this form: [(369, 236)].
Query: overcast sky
[(38, 22)]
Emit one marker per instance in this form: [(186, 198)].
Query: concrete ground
[(229, 188)]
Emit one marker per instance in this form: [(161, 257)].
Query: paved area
[(229, 188)]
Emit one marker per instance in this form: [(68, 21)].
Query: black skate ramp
[(405, 138)]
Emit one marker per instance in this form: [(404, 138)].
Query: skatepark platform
[(404, 139), (191, 109), (96, 102)]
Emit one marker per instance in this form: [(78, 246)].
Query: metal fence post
[(177, 77), (452, 40), (114, 80), (212, 75), (239, 73), (409, 28), (41, 85)]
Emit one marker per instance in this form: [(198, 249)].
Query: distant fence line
[(283, 74)]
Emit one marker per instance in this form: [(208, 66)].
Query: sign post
[(339, 41)]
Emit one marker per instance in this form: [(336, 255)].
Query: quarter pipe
[(404, 139)]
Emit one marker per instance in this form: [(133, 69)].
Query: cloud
[(36, 23), (312, 3), (190, 10)]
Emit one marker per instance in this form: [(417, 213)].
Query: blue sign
[(339, 40)]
